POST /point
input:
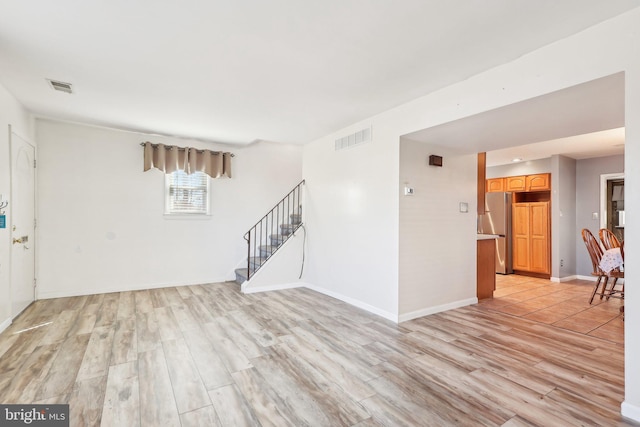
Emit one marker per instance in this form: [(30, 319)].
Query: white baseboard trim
[(630, 411), (437, 309), (80, 292), (4, 325), (356, 303), (589, 278), (564, 279), (371, 309), (351, 301), (270, 287)]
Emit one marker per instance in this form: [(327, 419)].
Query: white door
[(22, 224)]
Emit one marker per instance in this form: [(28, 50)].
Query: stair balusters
[(270, 233)]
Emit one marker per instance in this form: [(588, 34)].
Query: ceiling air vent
[(61, 86), (354, 139)]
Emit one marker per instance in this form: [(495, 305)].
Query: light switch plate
[(464, 207), (408, 191)]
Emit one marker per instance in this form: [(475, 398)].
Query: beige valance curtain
[(169, 158)]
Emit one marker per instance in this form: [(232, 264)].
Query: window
[(186, 194)]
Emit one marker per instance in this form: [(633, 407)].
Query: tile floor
[(564, 305)]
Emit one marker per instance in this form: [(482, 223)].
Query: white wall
[(431, 220), (351, 215), (101, 224), (11, 113), (631, 405), (354, 219)]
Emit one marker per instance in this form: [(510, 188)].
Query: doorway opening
[(612, 203)]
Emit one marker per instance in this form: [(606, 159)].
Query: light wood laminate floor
[(208, 355)]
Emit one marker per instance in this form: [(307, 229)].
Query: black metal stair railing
[(267, 236)]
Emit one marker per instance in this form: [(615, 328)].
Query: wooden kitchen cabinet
[(539, 182), (516, 183), (521, 238), (496, 185), (531, 237)]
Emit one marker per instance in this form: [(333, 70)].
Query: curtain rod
[(142, 144)]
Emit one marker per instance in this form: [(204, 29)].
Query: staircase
[(269, 234)]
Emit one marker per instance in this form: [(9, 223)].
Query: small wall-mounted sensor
[(408, 191)]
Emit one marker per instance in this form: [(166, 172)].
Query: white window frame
[(169, 212)]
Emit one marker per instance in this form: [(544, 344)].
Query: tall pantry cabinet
[(531, 237)]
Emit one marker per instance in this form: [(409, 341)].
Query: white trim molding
[(65, 293), (564, 279), (351, 301), (589, 278), (630, 411), (355, 303), (270, 288), (4, 325), (437, 309)]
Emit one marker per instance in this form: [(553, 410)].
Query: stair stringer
[(281, 270)]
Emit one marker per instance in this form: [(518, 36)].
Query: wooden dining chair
[(610, 241), (595, 253)]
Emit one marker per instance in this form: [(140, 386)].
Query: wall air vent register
[(354, 139), (60, 86)]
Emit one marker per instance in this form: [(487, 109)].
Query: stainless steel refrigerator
[(497, 220)]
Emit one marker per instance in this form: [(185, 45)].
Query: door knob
[(17, 240)]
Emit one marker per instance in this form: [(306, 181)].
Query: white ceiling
[(280, 70), (586, 120), (596, 144)]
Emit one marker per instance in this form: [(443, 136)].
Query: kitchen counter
[(486, 266)]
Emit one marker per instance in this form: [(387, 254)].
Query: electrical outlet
[(594, 215)]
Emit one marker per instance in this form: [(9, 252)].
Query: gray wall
[(563, 216), (522, 168), (588, 173)]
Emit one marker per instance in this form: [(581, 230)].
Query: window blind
[(187, 193)]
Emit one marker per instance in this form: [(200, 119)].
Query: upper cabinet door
[(516, 183), (538, 182), (495, 185)]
